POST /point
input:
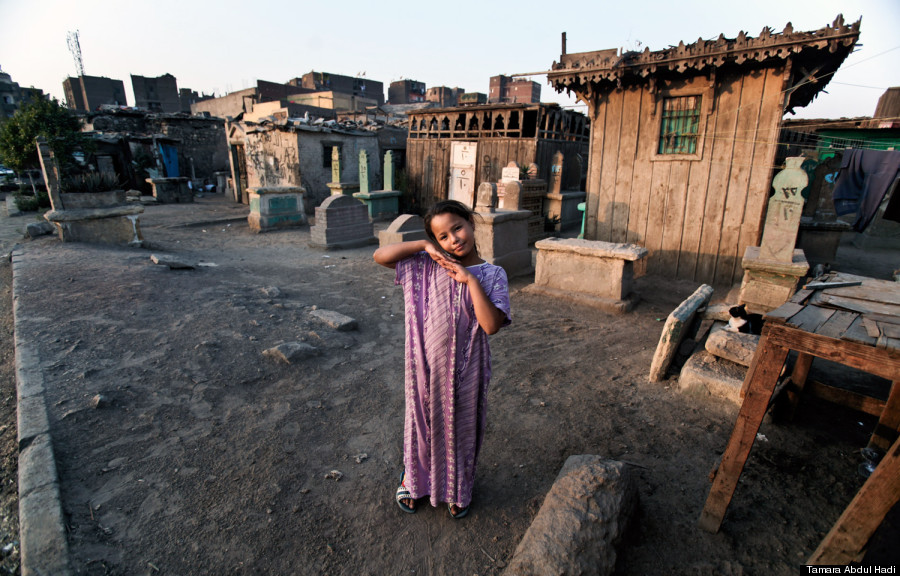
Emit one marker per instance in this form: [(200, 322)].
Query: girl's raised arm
[(392, 253)]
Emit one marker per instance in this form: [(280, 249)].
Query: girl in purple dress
[(454, 300)]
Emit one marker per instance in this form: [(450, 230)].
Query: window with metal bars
[(680, 124)]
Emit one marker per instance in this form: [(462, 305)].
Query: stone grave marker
[(388, 171), (335, 164), (510, 173), (783, 215), (556, 173), (486, 200), (363, 172)]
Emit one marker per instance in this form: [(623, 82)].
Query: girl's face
[(455, 235)]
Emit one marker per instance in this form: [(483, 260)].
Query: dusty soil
[(183, 450)]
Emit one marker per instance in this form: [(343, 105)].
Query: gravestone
[(336, 185), (512, 196), (486, 200), (556, 173), (783, 215), (404, 228), (363, 172), (510, 173), (381, 204), (501, 235), (341, 222), (773, 269), (388, 171), (335, 164)]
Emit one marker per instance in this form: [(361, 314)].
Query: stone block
[(582, 521), (599, 274), (735, 346), (707, 375), (336, 320), (404, 228), (291, 352), (767, 284), (674, 331)]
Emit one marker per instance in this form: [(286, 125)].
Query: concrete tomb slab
[(599, 274)]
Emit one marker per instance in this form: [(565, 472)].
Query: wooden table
[(857, 326)]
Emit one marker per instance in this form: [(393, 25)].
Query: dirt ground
[(183, 450)]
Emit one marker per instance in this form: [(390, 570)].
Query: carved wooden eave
[(811, 57)]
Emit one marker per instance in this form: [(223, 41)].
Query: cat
[(744, 322)]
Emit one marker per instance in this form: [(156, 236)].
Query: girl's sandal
[(404, 494), (460, 512)]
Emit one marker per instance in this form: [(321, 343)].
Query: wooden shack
[(683, 140), (496, 134)]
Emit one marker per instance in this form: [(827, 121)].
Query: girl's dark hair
[(444, 207)]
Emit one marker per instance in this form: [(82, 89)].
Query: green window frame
[(679, 129)]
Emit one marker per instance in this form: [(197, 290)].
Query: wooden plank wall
[(428, 162), (695, 216)]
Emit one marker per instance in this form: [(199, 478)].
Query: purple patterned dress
[(448, 369)]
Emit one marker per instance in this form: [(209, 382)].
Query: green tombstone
[(335, 164), (363, 172), (388, 170)]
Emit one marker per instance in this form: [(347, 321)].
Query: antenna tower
[(75, 49)]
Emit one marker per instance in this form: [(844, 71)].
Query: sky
[(224, 46)]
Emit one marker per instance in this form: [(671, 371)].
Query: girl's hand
[(439, 256)]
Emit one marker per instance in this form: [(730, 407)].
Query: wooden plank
[(656, 213), (783, 312), (888, 329), (648, 132), (628, 139), (871, 328), (801, 296), (871, 289), (798, 382), (598, 111), (837, 324), (889, 422), (810, 318), (751, 90), (829, 285), (848, 537), (762, 376), (674, 220), (728, 92), (865, 357), (609, 212), (853, 400), (856, 305), (763, 158), (857, 333), (695, 204)]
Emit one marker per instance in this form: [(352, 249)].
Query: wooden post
[(850, 534), (762, 376), (50, 171), (888, 425)]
